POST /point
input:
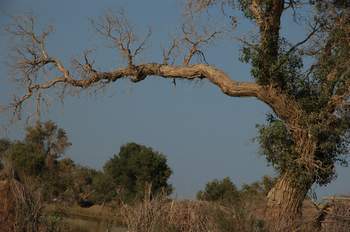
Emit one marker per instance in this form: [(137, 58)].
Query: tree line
[(39, 160)]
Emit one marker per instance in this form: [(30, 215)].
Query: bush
[(219, 190), (135, 167), (104, 189)]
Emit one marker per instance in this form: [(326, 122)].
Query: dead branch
[(34, 58), (195, 40), (167, 53), (116, 28)]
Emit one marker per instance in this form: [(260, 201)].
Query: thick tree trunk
[(284, 202)]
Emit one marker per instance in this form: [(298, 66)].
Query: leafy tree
[(49, 139), (225, 190), (309, 129), (69, 182), (219, 190), (36, 158), (104, 188), (42, 146), (26, 159), (137, 166)]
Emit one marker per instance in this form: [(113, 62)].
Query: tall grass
[(337, 218), (160, 214)]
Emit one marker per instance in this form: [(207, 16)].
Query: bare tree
[(309, 130)]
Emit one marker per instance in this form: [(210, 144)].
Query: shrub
[(135, 167)]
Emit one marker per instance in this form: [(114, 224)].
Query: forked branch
[(116, 28), (195, 40)]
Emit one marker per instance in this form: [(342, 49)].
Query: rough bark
[(284, 202)]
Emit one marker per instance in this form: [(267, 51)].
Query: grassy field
[(163, 215), (94, 219)]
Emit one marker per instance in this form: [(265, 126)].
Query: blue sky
[(203, 133)]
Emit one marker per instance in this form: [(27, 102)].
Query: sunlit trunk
[(284, 202)]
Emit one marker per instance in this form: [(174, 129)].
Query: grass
[(160, 214)]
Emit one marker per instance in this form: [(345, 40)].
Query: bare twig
[(116, 28), (195, 40), (170, 51)]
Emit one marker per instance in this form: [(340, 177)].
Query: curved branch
[(138, 73), (284, 106)]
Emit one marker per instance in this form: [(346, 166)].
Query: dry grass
[(20, 208), (337, 218), (162, 215)]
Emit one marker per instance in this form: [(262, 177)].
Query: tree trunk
[(284, 202)]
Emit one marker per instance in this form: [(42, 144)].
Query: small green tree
[(219, 190), (137, 166), (225, 190), (36, 157), (42, 146), (26, 159), (49, 139)]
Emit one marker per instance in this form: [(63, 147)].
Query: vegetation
[(304, 138), (219, 190), (163, 215), (38, 160), (224, 191), (37, 195), (137, 166)]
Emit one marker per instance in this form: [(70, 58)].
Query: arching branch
[(283, 106), (32, 59)]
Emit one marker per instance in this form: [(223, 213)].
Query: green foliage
[(257, 189), (224, 191), (105, 190), (277, 144), (281, 65), (27, 159), (50, 139), (4, 146), (284, 70), (36, 158), (219, 190), (137, 166), (70, 182)]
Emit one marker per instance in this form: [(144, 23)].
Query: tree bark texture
[(284, 202)]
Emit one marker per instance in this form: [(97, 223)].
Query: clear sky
[(203, 133)]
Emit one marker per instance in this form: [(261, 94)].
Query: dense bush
[(134, 168), (225, 191), (219, 190)]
